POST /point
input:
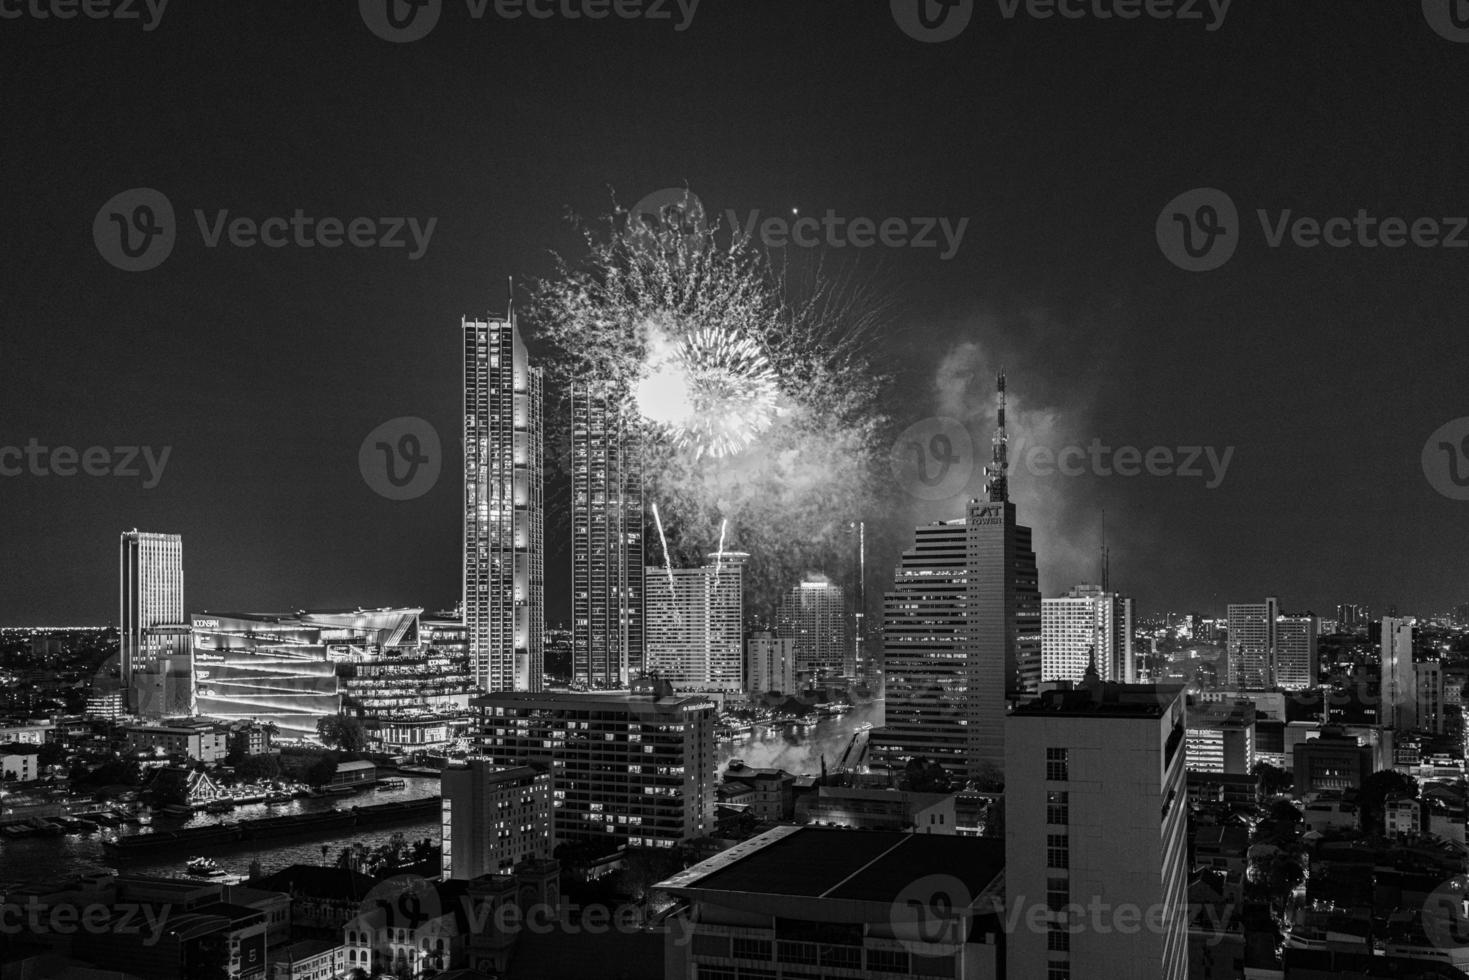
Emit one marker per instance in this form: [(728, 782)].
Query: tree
[(344, 732), (322, 771), (1375, 790), (1273, 779), (1285, 812)]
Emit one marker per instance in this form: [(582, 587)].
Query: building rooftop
[(864, 866), (1103, 700), (590, 700)]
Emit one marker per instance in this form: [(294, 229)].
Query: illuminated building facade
[(151, 594), (1296, 655), (414, 696), (1088, 621), (264, 668), (504, 518), (695, 632), (607, 541), (814, 615), (1251, 645)]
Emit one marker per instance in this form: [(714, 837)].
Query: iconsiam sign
[(759, 408)]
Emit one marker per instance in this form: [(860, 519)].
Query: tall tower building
[(504, 508), (1296, 655), (961, 631), (1251, 644), (859, 668), (695, 617), (151, 594), (814, 615), (1096, 807), (1399, 679), (1087, 622), (607, 540)]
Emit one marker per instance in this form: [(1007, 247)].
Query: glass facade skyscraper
[(151, 594)]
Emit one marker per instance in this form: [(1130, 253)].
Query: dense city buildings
[(961, 632), (494, 818), (607, 550), (1250, 654), (504, 507), (151, 594), (814, 615), (635, 769), (770, 664), (1087, 625), (1096, 811), (695, 624)]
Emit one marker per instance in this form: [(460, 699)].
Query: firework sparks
[(667, 558), (714, 390)]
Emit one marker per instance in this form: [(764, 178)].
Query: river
[(800, 751), (47, 858)]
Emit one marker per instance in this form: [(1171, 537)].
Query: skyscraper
[(814, 615), (504, 519), (1251, 644), (1087, 621), (961, 629), (695, 622), (1296, 654), (151, 594), (1096, 808), (607, 540), (1399, 679)]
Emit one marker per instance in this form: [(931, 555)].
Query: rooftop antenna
[(510, 298), (997, 473), (1106, 556)]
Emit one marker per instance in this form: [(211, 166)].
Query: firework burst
[(750, 383)]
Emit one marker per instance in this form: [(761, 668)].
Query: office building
[(607, 540), (860, 667), (770, 664), (1221, 738), (1086, 624), (961, 632), (504, 508), (1096, 811), (1332, 761), (1399, 679), (814, 614), (494, 818), (1429, 700), (1250, 661), (695, 633), (1296, 658), (635, 769), (807, 901), (151, 594)]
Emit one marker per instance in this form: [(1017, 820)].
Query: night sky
[(1059, 140)]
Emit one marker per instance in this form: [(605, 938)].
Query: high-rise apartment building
[(1399, 680), (1095, 812), (770, 664), (1221, 737), (1087, 622), (695, 617), (504, 508), (606, 539), (151, 594), (494, 818), (961, 631), (1428, 681), (814, 615), (1296, 657), (1250, 661), (635, 769)]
